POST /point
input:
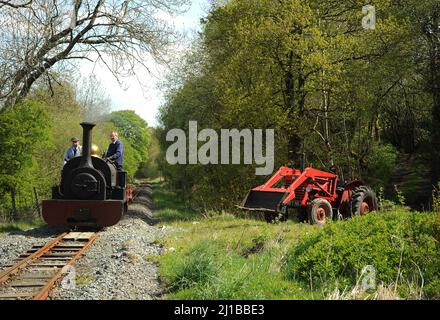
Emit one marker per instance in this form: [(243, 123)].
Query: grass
[(168, 208), (225, 257), (228, 258), (20, 225), (84, 279), (399, 249)]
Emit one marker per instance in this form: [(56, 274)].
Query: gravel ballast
[(117, 266), (14, 243)]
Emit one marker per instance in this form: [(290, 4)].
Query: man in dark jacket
[(115, 150)]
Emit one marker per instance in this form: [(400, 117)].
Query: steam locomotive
[(92, 192)]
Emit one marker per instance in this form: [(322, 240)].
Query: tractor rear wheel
[(363, 200), (320, 211)]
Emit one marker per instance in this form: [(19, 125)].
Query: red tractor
[(318, 193)]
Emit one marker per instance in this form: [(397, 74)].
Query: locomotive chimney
[(86, 159)]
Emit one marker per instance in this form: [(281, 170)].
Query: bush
[(24, 137), (208, 271), (436, 198), (381, 164), (401, 246), (194, 269)]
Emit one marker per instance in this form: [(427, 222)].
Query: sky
[(144, 99)]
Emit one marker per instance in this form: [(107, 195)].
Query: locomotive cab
[(92, 192)]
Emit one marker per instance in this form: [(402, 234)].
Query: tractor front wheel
[(320, 211), (362, 201)]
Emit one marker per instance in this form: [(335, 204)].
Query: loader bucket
[(262, 201)]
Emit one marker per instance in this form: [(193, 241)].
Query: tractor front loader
[(321, 194)]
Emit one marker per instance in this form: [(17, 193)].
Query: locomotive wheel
[(362, 201), (320, 211)]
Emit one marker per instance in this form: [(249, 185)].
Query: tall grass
[(168, 207), (400, 246), (226, 257), (20, 225)]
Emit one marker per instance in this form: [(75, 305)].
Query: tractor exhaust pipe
[(86, 159), (302, 162)]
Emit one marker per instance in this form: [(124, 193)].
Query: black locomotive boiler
[(92, 192)]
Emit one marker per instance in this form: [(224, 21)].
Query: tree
[(15, 4), (309, 70), (93, 99), (426, 17), (151, 169), (42, 35), (135, 134), (23, 131)]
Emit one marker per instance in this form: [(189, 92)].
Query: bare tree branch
[(44, 34), (15, 4)]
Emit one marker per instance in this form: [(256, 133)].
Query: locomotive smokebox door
[(85, 184)]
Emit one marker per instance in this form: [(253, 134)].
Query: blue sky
[(145, 99)]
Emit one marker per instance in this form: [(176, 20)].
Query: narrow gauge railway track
[(34, 273)]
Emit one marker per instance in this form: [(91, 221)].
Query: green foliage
[(381, 163), (35, 134), (342, 94), (195, 269), (401, 246), (24, 134), (152, 168), (384, 204), (20, 226), (436, 209), (248, 259), (416, 181), (436, 198), (22, 130), (133, 128), (223, 257), (135, 135), (207, 270), (84, 279), (168, 208), (400, 197)]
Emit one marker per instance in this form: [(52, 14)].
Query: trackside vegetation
[(363, 99), (35, 134), (221, 256)]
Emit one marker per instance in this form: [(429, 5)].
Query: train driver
[(73, 151), (115, 151)]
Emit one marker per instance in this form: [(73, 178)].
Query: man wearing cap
[(73, 151)]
